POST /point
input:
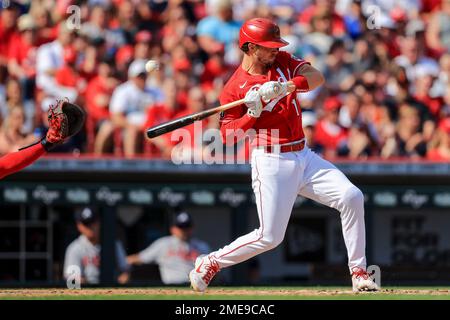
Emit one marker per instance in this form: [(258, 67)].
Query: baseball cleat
[(362, 281), (205, 269)]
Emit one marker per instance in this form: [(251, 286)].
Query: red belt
[(284, 148)]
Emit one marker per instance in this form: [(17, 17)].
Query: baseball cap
[(143, 36), (136, 68), (124, 55), (398, 14), (182, 65), (332, 103), (86, 216), (182, 220)]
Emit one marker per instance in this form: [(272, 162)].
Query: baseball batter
[(282, 165)]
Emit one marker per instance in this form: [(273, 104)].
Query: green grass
[(226, 293)]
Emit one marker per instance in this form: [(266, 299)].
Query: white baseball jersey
[(174, 256), (85, 255), (128, 99)]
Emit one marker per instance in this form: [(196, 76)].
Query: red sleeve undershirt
[(16, 161), (244, 123)]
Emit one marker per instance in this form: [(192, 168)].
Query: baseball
[(151, 65)]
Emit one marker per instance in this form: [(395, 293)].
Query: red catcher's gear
[(262, 32)]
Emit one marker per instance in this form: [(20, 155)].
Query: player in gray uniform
[(84, 252), (175, 254)]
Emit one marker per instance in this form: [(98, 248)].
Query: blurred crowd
[(386, 64)]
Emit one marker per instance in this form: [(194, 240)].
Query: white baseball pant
[(277, 179)]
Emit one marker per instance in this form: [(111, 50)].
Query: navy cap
[(182, 220), (86, 216)]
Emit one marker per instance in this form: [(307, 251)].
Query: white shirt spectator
[(411, 69), (49, 58), (385, 6), (131, 101)]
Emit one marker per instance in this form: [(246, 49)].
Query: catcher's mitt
[(65, 120)]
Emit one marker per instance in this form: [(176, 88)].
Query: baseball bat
[(171, 125)]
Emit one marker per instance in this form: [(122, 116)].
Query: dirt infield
[(216, 292)]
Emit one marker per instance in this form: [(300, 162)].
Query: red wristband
[(301, 83)]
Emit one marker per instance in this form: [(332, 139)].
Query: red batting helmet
[(262, 32)]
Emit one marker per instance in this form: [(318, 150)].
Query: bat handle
[(230, 105)]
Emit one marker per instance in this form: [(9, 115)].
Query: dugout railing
[(407, 216)]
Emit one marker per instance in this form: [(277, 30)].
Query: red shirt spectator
[(158, 114), (23, 49), (433, 104), (194, 136), (337, 22), (430, 5), (328, 132), (98, 93), (214, 68), (24, 54), (422, 86), (174, 30), (46, 31), (123, 57), (8, 32), (196, 101), (67, 75), (182, 69)]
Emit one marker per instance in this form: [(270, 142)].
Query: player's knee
[(270, 241), (353, 197)]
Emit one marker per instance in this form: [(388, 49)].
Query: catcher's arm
[(16, 161), (65, 120)]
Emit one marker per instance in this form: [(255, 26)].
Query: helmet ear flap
[(246, 47)]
